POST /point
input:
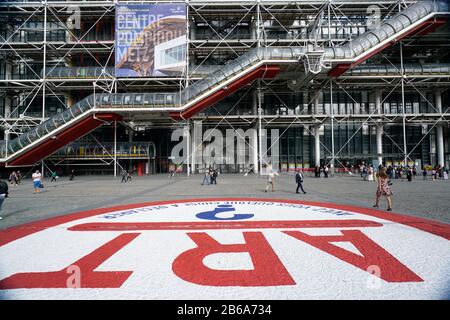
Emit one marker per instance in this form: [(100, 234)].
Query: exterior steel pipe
[(400, 25)]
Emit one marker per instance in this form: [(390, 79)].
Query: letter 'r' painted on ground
[(268, 269)]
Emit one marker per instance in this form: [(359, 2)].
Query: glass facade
[(217, 37)]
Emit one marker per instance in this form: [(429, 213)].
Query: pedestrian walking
[(129, 176), (271, 180), (383, 189), (325, 171), (37, 183), (72, 175), (299, 181), (3, 194), (124, 174), (424, 173)]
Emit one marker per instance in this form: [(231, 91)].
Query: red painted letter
[(391, 269), (88, 277), (268, 269)]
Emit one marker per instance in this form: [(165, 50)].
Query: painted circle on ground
[(227, 248)]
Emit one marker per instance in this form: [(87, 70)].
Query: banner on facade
[(150, 40)]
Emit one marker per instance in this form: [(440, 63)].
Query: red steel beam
[(269, 71), (420, 30), (59, 140)]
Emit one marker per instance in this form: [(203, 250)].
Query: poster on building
[(150, 40)]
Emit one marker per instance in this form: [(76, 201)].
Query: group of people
[(366, 172), (397, 172), (210, 176), (126, 176), (321, 170), (437, 172), (15, 178), (271, 180)]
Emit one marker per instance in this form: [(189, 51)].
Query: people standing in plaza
[(3, 194), (370, 173), (37, 176), (409, 174), (13, 178), (424, 173), (72, 175), (19, 176), (364, 173), (325, 171), (299, 181), (213, 175), (206, 177), (433, 174), (383, 189), (54, 176), (439, 172), (124, 174), (271, 180)]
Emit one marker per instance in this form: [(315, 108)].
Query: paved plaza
[(172, 238), (427, 199)]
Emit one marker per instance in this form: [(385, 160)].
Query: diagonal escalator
[(94, 110)]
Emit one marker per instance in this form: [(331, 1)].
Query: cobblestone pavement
[(428, 199)]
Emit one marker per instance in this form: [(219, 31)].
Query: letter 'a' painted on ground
[(391, 269)]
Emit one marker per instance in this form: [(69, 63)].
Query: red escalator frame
[(420, 30), (269, 71), (59, 140)]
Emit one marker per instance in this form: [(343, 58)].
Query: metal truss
[(269, 23)]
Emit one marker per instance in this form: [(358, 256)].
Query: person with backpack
[(3, 194), (299, 181)]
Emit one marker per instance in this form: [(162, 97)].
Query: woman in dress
[(383, 189)]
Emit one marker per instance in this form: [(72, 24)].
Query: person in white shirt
[(370, 174), (36, 181), (271, 181)]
